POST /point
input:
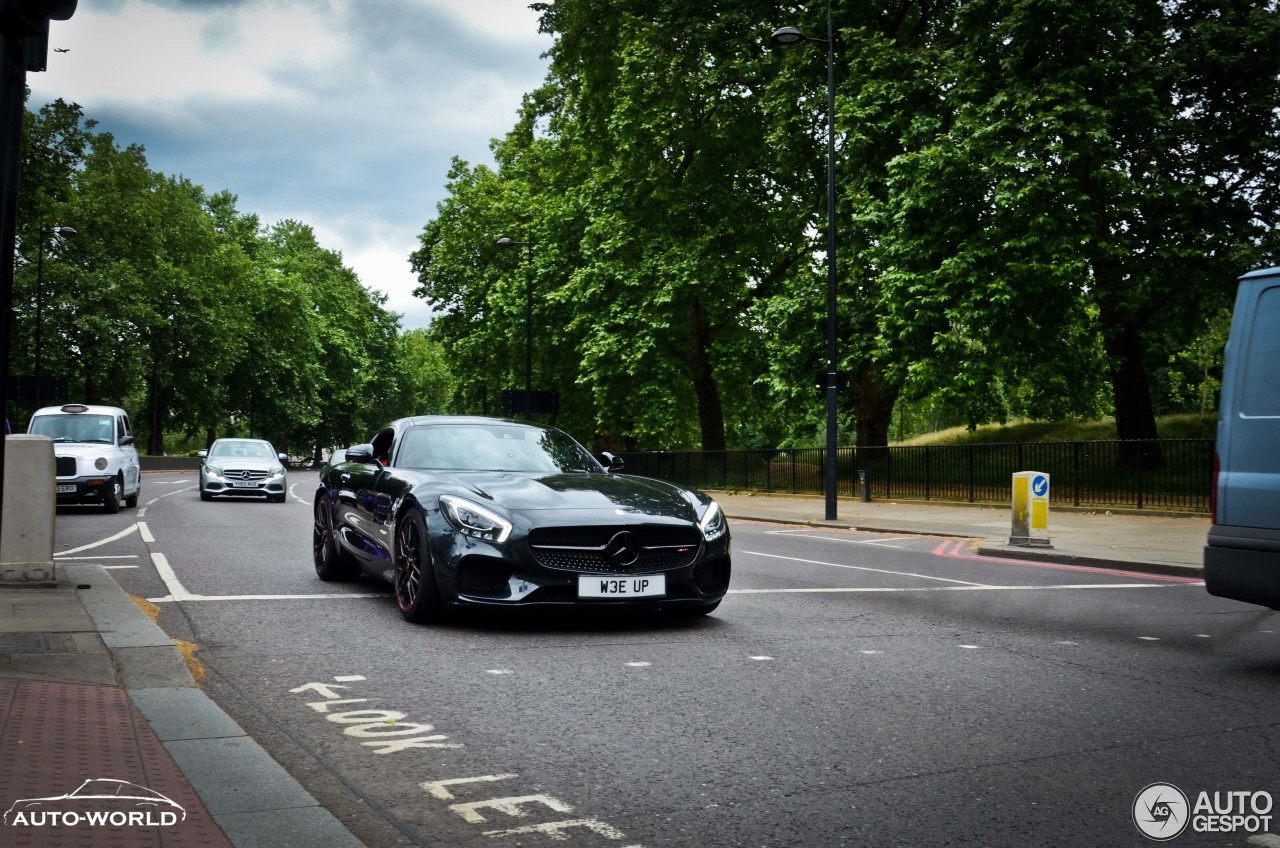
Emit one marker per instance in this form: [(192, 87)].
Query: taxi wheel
[(111, 501), (131, 501)]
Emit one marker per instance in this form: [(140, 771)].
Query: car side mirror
[(283, 457), (203, 454), (611, 462), (126, 441), (360, 453)]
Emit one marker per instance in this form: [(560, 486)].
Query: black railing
[(1158, 474)]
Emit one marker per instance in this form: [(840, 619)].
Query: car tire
[(331, 561), (417, 595), (131, 501), (205, 496), (111, 500)]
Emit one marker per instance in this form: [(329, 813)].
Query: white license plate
[(66, 487), (243, 484), (622, 585)]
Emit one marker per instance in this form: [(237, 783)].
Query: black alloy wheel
[(416, 591), (331, 562)]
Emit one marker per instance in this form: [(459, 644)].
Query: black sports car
[(469, 511)]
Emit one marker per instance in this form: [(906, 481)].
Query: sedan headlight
[(713, 524), (213, 470), (100, 463), (278, 471), (471, 519)]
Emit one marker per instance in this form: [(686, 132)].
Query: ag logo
[(1161, 811)]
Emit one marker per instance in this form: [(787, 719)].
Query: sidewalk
[(1161, 544), (92, 690)]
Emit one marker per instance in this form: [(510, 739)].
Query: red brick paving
[(55, 736)]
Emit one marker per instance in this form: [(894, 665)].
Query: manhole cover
[(36, 643)]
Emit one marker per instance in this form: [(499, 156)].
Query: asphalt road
[(853, 689)]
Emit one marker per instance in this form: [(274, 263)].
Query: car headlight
[(471, 519), (213, 469), (100, 463), (713, 524), (278, 471)]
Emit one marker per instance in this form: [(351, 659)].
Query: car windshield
[(254, 450), (99, 429), (493, 447)]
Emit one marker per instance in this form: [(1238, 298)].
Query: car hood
[(620, 494), (249, 462), (78, 449)]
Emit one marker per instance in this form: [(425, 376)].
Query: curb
[(250, 796)]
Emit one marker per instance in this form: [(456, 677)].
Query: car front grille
[(66, 466), (239, 474), (616, 550)]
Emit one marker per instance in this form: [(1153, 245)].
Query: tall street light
[(65, 232), (528, 315), (787, 36)]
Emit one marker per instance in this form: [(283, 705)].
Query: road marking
[(350, 678), (500, 671), (1149, 638), (871, 652), (113, 567), (187, 596), (145, 533), (132, 528), (762, 659), (165, 495), (171, 582), (639, 664), (971, 588), (436, 788), (864, 568), (812, 534), (970, 647), (100, 558)]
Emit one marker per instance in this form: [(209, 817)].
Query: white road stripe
[(145, 532), (864, 568), (125, 532), (98, 558), (971, 588), (187, 596), (177, 591)]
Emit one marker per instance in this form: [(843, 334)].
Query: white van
[(1242, 557)]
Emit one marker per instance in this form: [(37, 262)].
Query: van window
[(1260, 396)]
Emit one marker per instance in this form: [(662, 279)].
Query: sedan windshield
[(257, 450), (494, 447), (99, 429)]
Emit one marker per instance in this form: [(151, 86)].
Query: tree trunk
[(1135, 416), (710, 408), (873, 401)]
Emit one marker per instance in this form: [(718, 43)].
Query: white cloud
[(343, 114)]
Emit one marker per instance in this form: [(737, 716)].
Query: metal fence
[(1158, 474)]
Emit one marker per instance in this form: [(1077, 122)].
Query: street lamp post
[(528, 315), (786, 36), (65, 232)]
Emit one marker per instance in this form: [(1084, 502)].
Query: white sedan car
[(242, 467)]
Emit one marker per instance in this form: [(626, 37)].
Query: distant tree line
[(194, 316), (1042, 209)]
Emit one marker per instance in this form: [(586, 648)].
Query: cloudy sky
[(343, 114)]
